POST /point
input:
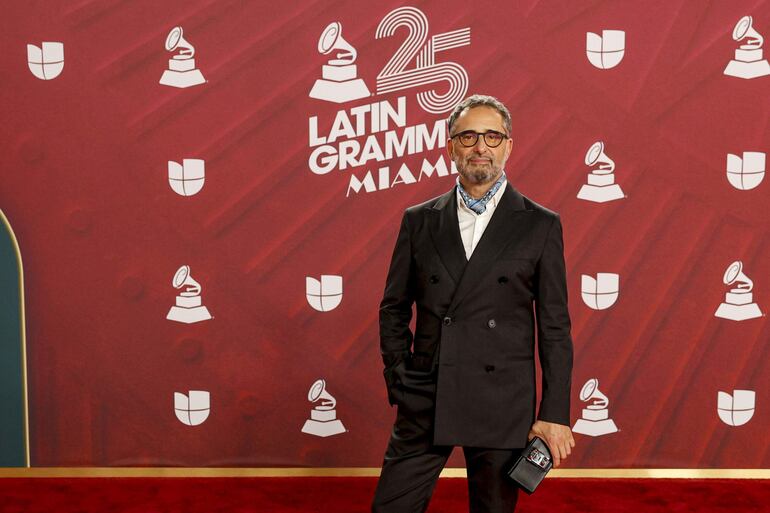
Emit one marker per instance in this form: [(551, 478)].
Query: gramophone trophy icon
[(595, 420), (323, 419), (601, 186), (181, 70), (749, 61), (739, 302), (188, 308), (339, 83)]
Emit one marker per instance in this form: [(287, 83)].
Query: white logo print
[(324, 295), (749, 61), (736, 409), (181, 70), (339, 83), (606, 51), (747, 172), (595, 420), (739, 302), (46, 63), (601, 186), (186, 179), (194, 409), (188, 308), (395, 77), (323, 419), (602, 292)]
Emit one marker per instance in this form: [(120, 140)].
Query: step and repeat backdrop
[(206, 195)]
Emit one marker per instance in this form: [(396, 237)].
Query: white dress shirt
[(472, 225)]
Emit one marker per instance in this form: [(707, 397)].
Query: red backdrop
[(84, 184)]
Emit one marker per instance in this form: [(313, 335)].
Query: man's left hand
[(558, 437)]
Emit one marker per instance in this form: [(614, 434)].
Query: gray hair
[(480, 100)]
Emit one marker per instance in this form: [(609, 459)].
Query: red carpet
[(349, 495)]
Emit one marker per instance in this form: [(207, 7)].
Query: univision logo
[(601, 292), (736, 409), (192, 409), (746, 172), (187, 178), (46, 62), (325, 294), (606, 51)]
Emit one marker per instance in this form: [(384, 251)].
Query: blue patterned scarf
[(480, 205)]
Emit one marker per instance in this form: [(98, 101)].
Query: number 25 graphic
[(395, 77)]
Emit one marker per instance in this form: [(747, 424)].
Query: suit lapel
[(445, 232), (507, 225)]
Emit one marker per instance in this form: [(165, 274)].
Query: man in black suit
[(484, 266)]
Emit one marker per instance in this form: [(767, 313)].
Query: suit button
[(502, 280), (489, 368), (491, 323), (433, 279), (447, 321)]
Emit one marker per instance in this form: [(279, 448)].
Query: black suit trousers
[(412, 463)]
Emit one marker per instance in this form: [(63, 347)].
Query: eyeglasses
[(469, 138)]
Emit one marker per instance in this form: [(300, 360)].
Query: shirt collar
[(493, 202)]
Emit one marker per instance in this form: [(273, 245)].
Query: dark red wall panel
[(84, 183)]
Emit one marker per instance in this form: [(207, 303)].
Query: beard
[(477, 174)]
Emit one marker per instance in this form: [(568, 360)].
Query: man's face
[(479, 164)]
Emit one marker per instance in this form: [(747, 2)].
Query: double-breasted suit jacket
[(476, 319)]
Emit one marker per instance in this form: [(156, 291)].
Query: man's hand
[(557, 436)]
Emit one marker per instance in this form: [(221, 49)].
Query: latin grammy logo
[(339, 83), (606, 51), (323, 419), (601, 292), (46, 62), (187, 178), (747, 172), (739, 302), (749, 61), (595, 420), (736, 409), (188, 308), (324, 295), (601, 186), (192, 409), (181, 70)]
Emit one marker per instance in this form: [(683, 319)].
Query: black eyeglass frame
[(483, 134)]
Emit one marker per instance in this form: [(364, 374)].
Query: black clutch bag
[(532, 466)]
